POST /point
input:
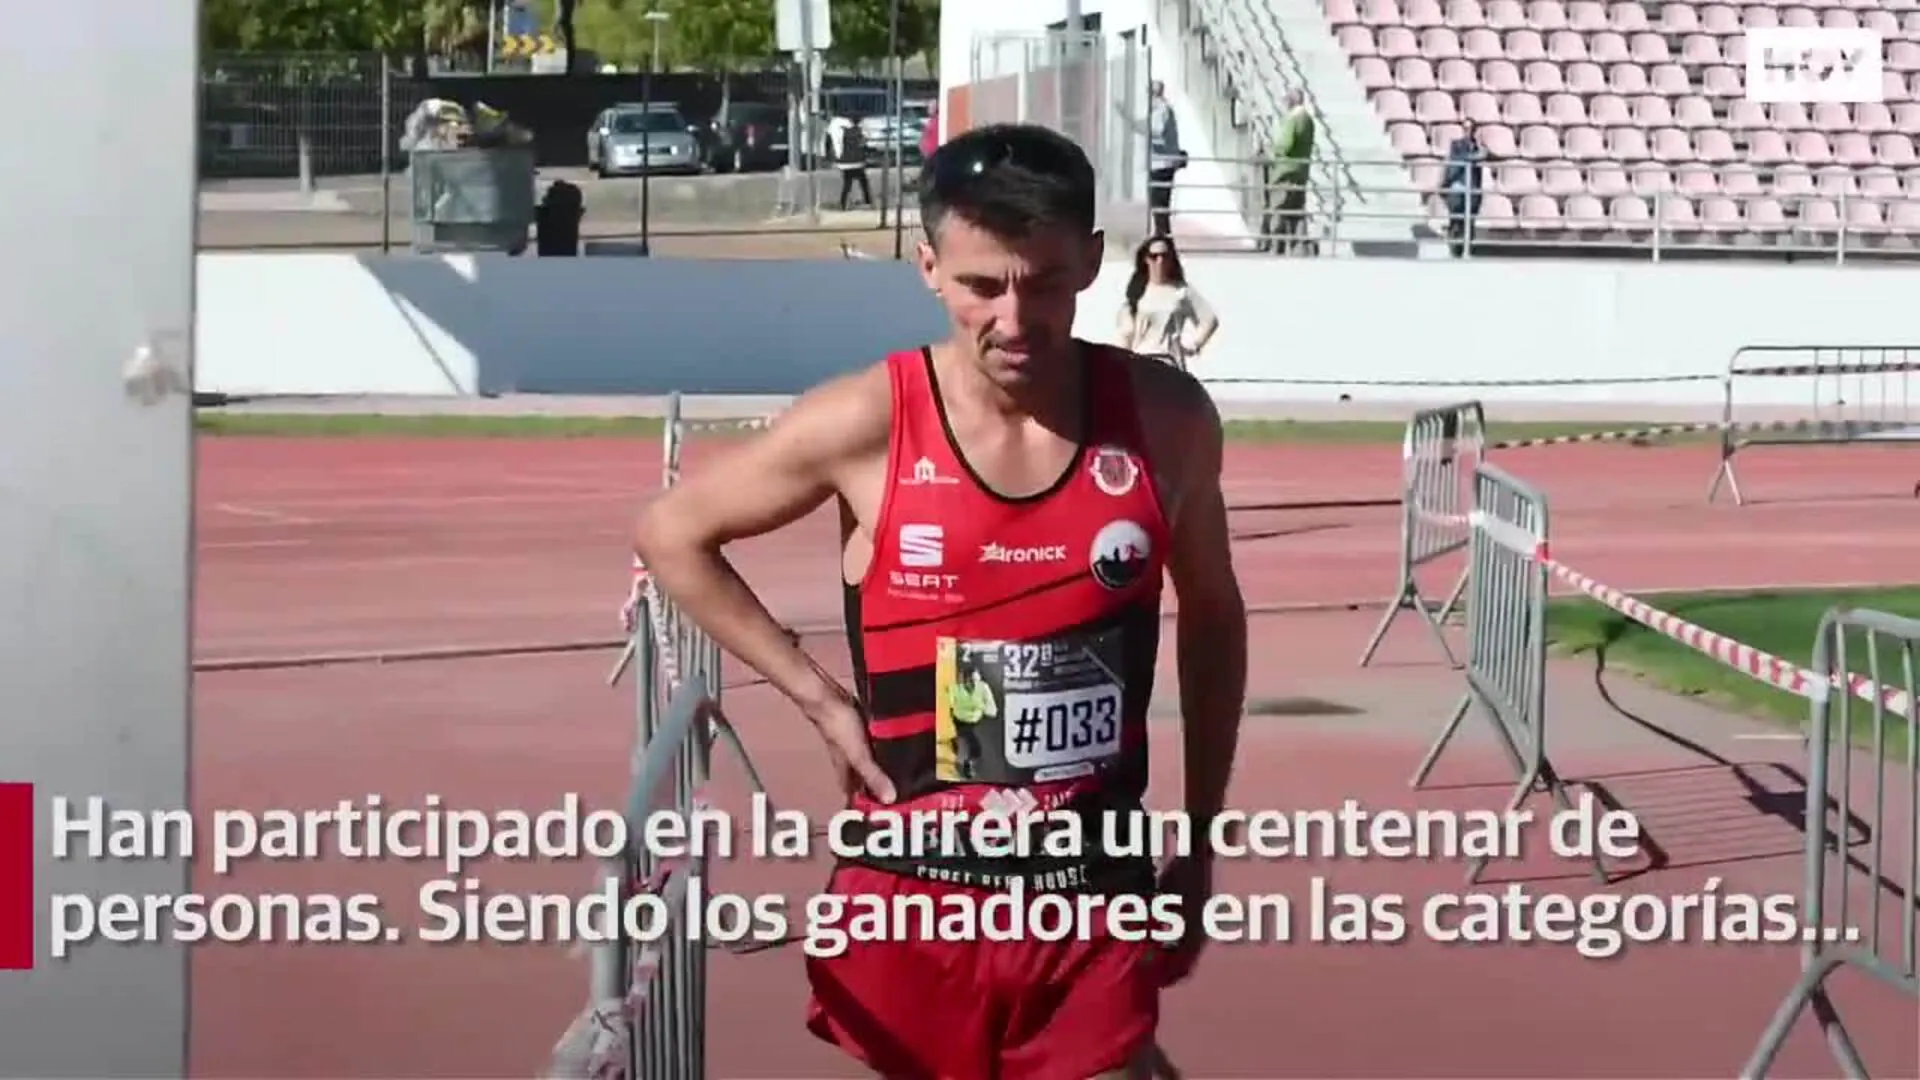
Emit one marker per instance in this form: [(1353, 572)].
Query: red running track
[(332, 545)]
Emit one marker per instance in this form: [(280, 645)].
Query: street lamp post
[(657, 18)]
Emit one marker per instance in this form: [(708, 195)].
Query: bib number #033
[(1052, 729), (1023, 712)]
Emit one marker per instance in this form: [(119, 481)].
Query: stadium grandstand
[(1619, 127)]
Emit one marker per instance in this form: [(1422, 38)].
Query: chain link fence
[(1089, 86)]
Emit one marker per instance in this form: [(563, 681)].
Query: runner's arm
[(772, 481), (1211, 624)]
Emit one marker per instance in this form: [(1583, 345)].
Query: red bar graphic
[(16, 877)]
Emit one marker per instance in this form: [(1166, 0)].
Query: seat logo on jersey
[(926, 472), (1114, 470), (1121, 553), (1045, 553), (922, 545)]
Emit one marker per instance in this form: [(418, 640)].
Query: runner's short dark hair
[(1008, 179)]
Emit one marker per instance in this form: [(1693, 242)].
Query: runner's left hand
[(1191, 879)]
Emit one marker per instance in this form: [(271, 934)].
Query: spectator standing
[(1165, 158), (1283, 228), (1163, 317), (1461, 186), (930, 134), (852, 164)]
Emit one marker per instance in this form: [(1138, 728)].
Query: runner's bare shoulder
[(837, 425), (1177, 415)]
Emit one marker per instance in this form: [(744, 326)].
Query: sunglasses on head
[(977, 153)]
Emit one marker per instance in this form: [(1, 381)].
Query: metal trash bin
[(471, 199)]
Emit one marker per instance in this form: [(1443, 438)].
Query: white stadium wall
[(339, 324)]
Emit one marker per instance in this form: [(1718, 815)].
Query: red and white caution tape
[(1775, 671)]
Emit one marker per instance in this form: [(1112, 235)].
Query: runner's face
[(1013, 299)]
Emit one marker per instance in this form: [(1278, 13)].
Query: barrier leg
[(1723, 473), (1410, 599)]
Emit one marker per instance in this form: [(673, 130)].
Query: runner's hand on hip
[(1191, 879), (845, 732)]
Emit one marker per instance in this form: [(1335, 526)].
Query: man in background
[(1461, 187), (1283, 226), (1164, 158)]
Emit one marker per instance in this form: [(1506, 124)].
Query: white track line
[(260, 513)]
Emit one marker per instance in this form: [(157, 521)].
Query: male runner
[(1012, 495)]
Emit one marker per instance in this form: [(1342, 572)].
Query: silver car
[(630, 139)]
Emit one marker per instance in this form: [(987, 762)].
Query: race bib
[(1014, 713)]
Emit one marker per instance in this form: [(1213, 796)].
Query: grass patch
[(352, 425), (1783, 623)]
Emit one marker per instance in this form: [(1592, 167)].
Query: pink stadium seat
[(1912, 182), (1341, 12), (1904, 116), (1543, 77), (1424, 13), (1397, 42), (1733, 51), (1910, 22), (1373, 73), (1566, 110), (1854, 148), (1561, 179), (1499, 141), (1496, 213), (1788, 116), (1692, 112), (1839, 19), (1792, 181), (1379, 13), (1718, 214), (1884, 23), (1609, 110), (1629, 214), (1799, 18), (1767, 147), (1427, 175), (1481, 44), (1628, 16), (1465, 14), (1671, 144), (1711, 19), (1586, 79), (1586, 16), (1525, 45), (1896, 150), (1517, 178), (1409, 140), (1880, 182), (1583, 144), (1565, 46), (1700, 49), (1608, 48), (1903, 56), (1480, 107), (1747, 116), (1628, 79), (1905, 217), (1440, 43), (1607, 179), (1714, 146), (1357, 41), (1539, 143), (1538, 213), (1585, 213), (1676, 214), (1628, 144), (1435, 107), (1506, 15), (1459, 75), (1679, 19), (1671, 80), (1651, 179), (1759, 17), (1721, 82), (1834, 181), (1696, 181), (1740, 183), (1765, 216), (1832, 116), (1500, 76), (1547, 15), (1820, 215), (1521, 108), (1395, 106), (1415, 76), (1810, 148), (1649, 49)]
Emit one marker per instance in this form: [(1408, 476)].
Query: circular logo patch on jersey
[(1114, 470), (1121, 552)]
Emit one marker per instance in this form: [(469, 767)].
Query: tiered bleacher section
[(1609, 119)]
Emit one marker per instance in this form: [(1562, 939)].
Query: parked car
[(747, 137), (626, 140), (841, 107), (882, 134)]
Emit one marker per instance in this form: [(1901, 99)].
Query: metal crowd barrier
[(1507, 639), (1438, 456), (1832, 886), (1858, 394)]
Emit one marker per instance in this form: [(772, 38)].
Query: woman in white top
[(1163, 316)]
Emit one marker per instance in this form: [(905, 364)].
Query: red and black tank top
[(1004, 647)]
